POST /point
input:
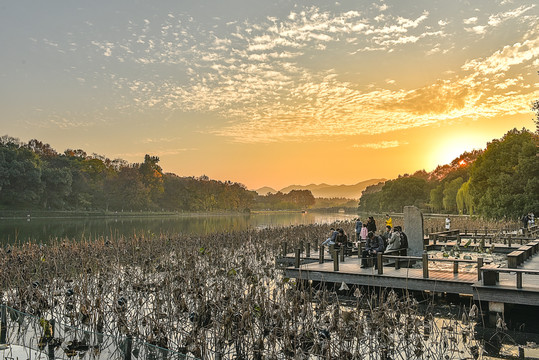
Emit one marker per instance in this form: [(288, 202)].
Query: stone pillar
[(413, 228)]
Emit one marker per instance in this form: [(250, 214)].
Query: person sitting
[(332, 239), (386, 235), (393, 241), (342, 240), (373, 246)]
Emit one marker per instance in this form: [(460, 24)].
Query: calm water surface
[(45, 229)]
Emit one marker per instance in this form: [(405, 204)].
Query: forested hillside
[(501, 181), (35, 176)]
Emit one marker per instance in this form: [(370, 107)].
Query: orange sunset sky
[(269, 93)]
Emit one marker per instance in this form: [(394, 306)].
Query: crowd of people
[(390, 238)]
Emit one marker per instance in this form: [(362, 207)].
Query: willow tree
[(465, 203)]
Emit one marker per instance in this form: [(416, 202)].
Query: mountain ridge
[(325, 190)]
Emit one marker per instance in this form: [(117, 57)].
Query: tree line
[(34, 176), (499, 181)]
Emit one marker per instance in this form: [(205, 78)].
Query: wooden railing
[(491, 275), (425, 263)]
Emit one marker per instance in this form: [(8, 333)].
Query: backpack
[(404, 241)]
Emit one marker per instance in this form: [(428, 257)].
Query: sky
[(273, 92)]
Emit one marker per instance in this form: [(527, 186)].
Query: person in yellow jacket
[(389, 221)]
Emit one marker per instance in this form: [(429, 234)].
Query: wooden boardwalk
[(350, 272), (505, 291), (465, 282)]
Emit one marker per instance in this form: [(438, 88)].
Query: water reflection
[(45, 229)]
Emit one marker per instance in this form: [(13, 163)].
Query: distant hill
[(265, 190), (327, 191)]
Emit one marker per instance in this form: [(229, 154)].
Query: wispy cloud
[(264, 80), (381, 145), (495, 20)]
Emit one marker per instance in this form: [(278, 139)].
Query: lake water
[(44, 229)]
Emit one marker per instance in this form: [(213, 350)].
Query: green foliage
[(294, 200), (34, 175), (370, 198), (404, 191), (465, 202), (450, 194), (504, 180), (436, 198), (20, 175)]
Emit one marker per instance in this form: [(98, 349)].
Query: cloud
[(479, 30), (380, 145), (496, 20), (505, 58), (470, 21), (265, 80)]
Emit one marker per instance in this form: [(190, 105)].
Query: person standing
[(371, 225), (364, 232), (525, 219), (389, 221), (359, 226), (447, 223)]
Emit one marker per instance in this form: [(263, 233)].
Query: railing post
[(458, 239), (298, 258), (397, 264), (479, 266), (509, 241), (3, 325), (455, 267), (360, 250), (285, 250), (342, 253), (425, 265), (519, 280), (301, 246), (379, 264), (335, 260), (321, 254), (51, 345), (308, 250), (129, 347)]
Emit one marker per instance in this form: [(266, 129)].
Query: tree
[(57, 187), (152, 176), (404, 191), (465, 204), (20, 175), (451, 189), (436, 198), (503, 180)]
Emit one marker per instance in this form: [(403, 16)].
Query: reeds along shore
[(218, 296)]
